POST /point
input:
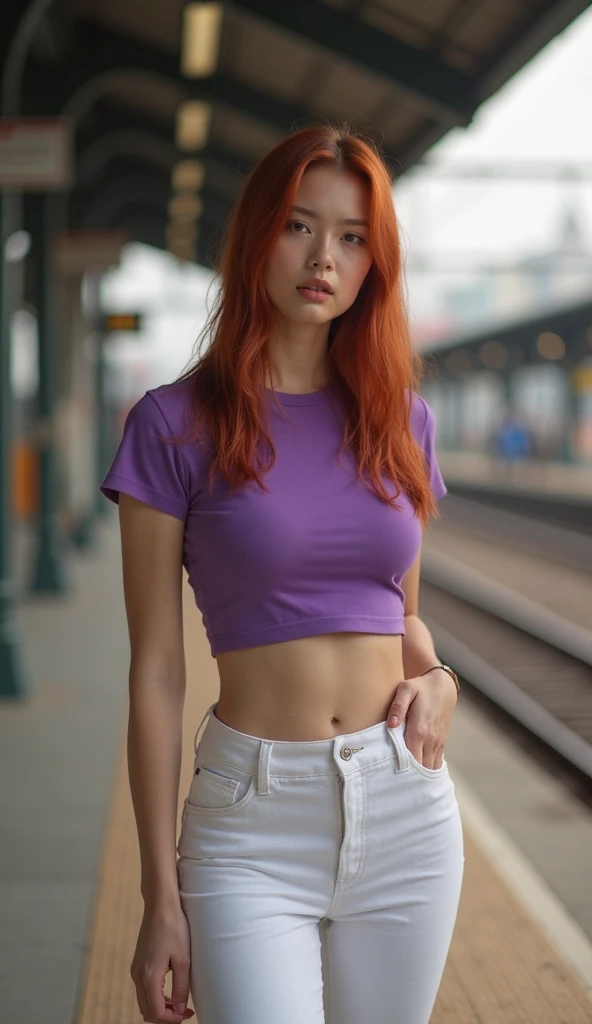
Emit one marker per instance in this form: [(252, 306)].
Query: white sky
[(542, 113)]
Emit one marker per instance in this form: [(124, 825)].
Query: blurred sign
[(582, 378), (75, 251), (122, 322), (36, 153)]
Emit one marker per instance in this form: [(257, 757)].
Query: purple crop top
[(319, 553)]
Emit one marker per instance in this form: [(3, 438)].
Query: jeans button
[(346, 753)]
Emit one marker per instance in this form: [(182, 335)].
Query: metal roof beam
[(119, 178), (144, 224), (543, 26), (19, 21), (102, 205), (145, 146), (450, 94), (98, 51), (108, 118), (99, 55)]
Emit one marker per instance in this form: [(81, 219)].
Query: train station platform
[(69, 881), (521, 477)]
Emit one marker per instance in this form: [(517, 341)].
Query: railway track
[(531, 663), (571, 512), (529, 527)]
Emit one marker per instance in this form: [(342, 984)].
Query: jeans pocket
[(216, 789), (428, 773)]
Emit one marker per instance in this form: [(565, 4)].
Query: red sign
[(36, 154), (75, 251)]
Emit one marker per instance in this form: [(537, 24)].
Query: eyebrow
[(346, 220)]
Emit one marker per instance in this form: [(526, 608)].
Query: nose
[(321, 257)]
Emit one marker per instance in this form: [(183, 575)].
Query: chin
[(311, 315)]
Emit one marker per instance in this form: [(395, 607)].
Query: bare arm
[(428, 709), (418, 646), (151, 544)]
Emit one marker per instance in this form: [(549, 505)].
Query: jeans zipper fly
[(341, 798)]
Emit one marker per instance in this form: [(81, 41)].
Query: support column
[(82, 446), (570, 453), (18, 24), (14, 677), (102, 435), (508, 389), (450, 436), (102, 446), (48, 567)]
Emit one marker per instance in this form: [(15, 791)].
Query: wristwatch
[(450, 671)]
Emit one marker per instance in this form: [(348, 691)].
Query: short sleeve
[(148, 463), (428, 443)]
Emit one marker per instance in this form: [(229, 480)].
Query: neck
[(298, 356)]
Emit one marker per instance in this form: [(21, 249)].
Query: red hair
[(370, 358)]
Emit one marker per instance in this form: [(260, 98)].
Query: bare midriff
[(312, 688)]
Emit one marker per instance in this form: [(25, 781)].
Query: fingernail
[(180, 1007), (394, 721)]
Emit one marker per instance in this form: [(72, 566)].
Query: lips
[(316, 285)]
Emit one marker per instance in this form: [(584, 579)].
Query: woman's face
[(316, 268)]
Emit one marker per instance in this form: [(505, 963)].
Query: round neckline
[(301, 398)]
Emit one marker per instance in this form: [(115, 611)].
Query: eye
[(357, 239), (294, 225)]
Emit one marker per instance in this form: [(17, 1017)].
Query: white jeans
[(320, 879)]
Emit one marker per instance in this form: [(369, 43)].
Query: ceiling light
[(185, 207), (193, 124), (183, 249), (493, 354), (202, 23), (550, 345), (458, 362), (187, 175), (181, 232)]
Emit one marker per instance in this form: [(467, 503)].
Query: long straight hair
[(370, 359)]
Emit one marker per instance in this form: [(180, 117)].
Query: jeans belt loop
[(263, 781), (208, 712), (400, 747)]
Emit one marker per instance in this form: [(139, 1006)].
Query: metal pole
[(19, 24), (83, 534), (101, 421), (48, 569), (14, 680), (102, 447)]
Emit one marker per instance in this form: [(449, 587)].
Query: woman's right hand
[(163, 945)]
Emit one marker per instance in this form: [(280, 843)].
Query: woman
[(321, 853)]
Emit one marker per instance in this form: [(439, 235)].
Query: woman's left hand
[(427, 702)]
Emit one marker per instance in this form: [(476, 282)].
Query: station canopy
[(405, 73)]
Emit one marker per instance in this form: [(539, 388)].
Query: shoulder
[(172, 403), (165, 410), (173, 407)]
